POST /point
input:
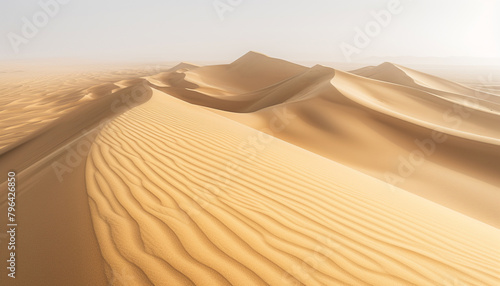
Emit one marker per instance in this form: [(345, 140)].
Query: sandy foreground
[(258, 172)]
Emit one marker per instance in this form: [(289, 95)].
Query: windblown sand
[(265, 172)]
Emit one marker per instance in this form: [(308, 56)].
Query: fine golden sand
[(174, 202), (257, 172)]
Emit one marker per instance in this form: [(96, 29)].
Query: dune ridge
[(52, 203), (473, 98), (31, 99), (232, 87), (170, 208)]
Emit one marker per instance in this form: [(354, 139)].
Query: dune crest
[(463, 95), (231, 87), (32, 99)]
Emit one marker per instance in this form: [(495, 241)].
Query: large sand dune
[(256, 172), (176, 204)]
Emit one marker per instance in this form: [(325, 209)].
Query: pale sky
[(193, 30)]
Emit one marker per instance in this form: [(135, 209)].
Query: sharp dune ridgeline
[(256, 172)]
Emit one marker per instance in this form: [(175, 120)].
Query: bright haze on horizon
[(222, 30)]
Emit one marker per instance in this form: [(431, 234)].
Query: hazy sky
[(294, 30)]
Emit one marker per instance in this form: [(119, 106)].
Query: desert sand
[(257, 172)]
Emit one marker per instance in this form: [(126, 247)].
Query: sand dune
[(256, 172), (31, 98), (56, 242), (176, 204), (229, 87), (473, 98)]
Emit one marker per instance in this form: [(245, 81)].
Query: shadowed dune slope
[(176, 204), (51, 197), (234, 87)]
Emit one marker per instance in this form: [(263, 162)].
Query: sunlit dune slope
[(181, 196)]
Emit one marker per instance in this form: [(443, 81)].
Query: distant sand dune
[(32, 98), (232, 87), (174, 202), (473, 98)]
